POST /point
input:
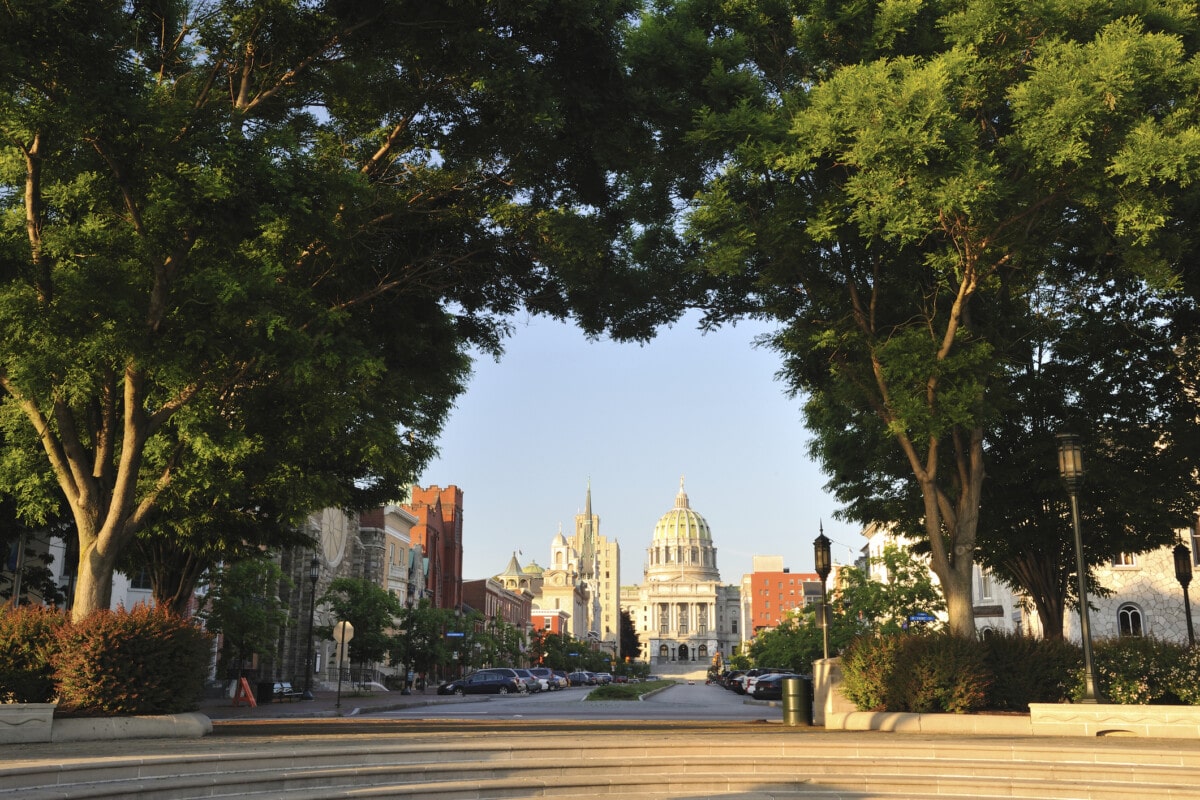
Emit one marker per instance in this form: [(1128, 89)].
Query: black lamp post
[(314, 572), (1183, 573), (823, 563), (1070, 466)]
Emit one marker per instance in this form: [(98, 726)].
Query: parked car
[(577, 678), (553, 682), (484, 681), (603, 678), (730, 679), (563, 681), (751, 676), (533, 683), (770, 687)]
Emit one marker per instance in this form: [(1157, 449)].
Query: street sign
[(921, 616), (454, 634)]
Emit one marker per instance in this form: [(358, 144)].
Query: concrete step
[(630, 766)]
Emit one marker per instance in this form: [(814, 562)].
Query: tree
[(371, 609), (420, 641), (886, 606), (893, 184), (1110, 358), (244, 605), (248, 245), (631, 644)]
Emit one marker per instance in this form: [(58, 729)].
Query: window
[(1129, 620), (734, 623), (1124, 560)]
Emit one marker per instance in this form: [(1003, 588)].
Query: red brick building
[(438, 530), (773, 595)]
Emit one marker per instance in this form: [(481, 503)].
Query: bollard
[(797, 701)]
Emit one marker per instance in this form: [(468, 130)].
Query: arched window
[(1129, 620), (663, 653), (702, 651), (683, 652)]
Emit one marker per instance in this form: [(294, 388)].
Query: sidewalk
[(323, 704)]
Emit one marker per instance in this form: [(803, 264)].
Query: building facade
[(683, 615), (438, 531), (772, 592)]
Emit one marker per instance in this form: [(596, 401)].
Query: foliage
[(1026, 670), (868, 666), (371, 609), (244, 606), (1133, 670), (794, 644), (1184, 676), (631, 644), (419, 641), (885, 606), (939, 672), (28, 641), (892, 188), (299, 218), (144, 661), (626, 691)]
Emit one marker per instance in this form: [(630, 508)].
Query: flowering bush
[(1132, 670)]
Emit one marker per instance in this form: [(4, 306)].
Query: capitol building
[(684, 617)]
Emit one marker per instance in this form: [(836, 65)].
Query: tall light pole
[(823, 561), (314, 572), (1183, 573), (1070, 467)]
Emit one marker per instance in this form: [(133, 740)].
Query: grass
[(626, 691)]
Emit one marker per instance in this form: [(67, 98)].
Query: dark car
[(578, 678), (770, 687), (485, 681)]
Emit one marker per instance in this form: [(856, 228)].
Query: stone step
[(660, 766)]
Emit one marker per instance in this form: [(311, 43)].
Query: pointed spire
[(587, 510)]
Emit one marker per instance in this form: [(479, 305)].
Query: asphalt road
[(698, 702)]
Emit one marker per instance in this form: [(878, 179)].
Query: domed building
[(685, 618)]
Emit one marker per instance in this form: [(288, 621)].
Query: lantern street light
[(1070, 467), (823, 563), (1183, 573), (314, 572)]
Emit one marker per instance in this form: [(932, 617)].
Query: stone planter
[(1103, 719), (25, 722)]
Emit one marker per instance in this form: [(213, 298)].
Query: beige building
[(684, 616)]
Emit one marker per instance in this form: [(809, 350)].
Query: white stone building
[(683, 615)]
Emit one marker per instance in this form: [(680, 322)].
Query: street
[(683, 701)]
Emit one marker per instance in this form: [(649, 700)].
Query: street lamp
[(823, 563), (1183, 574), (1070, 467), (314, 572)]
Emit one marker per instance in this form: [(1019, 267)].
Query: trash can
[(265, 692), (797, 701)]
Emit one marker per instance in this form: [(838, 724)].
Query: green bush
[(144, 661), (938, 672), (28, 639), (1133, 670), (867, 666), (1183, 679), (1026, 670)]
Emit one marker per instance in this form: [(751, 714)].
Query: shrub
[(28, 639), (144, 661), (867, 666), (1132, 670), (1026, 670), (938, 672), (1183, 679)]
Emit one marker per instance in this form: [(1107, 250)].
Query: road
[(682, 701)]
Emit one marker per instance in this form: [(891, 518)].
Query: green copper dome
[(681, 522)]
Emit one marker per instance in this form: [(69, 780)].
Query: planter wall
[(25, 722)]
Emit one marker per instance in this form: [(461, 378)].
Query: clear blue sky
[(558, 411)]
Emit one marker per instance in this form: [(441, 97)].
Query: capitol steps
[(633, 766)]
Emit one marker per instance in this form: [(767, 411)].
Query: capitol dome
[(681, 522)]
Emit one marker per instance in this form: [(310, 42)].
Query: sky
[(558, 411)]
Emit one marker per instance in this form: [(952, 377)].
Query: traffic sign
[(921, 616)]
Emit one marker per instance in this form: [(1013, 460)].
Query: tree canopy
[(246, 245), (893, 182)]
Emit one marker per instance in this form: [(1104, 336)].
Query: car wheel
[(503, 690), (458, 691)]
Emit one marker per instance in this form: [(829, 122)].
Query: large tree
[(237, 231), (895, 187)]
